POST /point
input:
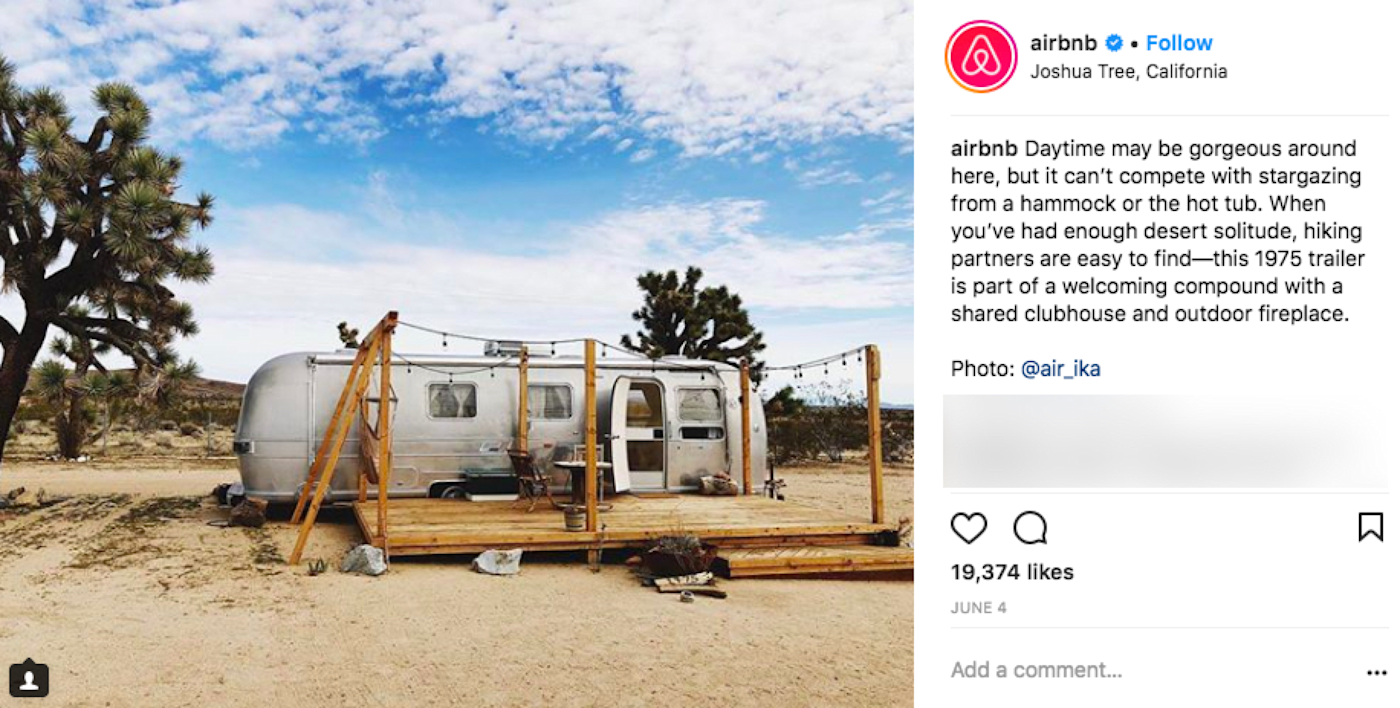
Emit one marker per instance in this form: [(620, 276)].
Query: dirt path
[(133, 600)]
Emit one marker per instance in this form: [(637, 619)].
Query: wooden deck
[(440, 526)]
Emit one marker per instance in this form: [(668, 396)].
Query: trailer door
[(638, 418)]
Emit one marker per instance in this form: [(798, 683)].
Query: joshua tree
[(90, 233), (83, 353), (680, 318), (349, 338), (52, 383)]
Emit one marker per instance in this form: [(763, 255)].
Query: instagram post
[(569, 353)]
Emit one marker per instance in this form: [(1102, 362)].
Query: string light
[(799, 370)]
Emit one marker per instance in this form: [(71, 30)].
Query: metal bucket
[(575, 518)]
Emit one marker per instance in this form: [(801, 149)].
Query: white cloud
[(827, 175), (643, 155), (882, 199), (712, 77)]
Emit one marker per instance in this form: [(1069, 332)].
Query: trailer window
[(701, 404), (702, 432), (551, 402), (451, 400), (644, 405)]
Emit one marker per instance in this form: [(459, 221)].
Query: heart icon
[(969, 527)]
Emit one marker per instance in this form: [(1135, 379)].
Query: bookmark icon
[(1370, 524)]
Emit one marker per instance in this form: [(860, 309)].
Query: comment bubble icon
[(1030, 528)]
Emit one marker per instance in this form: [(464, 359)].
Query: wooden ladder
[(376, 454)]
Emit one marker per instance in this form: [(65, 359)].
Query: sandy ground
[(132, 599)]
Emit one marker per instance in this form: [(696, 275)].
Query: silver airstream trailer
[(662, 425)]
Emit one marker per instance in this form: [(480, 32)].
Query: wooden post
[(747, 436), (314, 473), (341, 431), (872, 402), (590, 437), (385, 429), (522, 424)]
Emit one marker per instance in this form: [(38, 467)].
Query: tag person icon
[(29, 679)]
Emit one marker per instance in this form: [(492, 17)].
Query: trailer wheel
[(455, 491)]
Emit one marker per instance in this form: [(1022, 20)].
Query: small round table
[(577, 470)]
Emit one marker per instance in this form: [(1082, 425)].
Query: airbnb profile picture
[(981, 56)]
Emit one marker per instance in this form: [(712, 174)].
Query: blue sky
[(509, 168)]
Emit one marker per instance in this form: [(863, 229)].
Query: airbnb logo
[(981, 56)]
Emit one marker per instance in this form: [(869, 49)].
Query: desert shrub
[(834, 421), (169, 425), (163, 438), (897, 435), (189, 430), (789, 441), (831, 422)]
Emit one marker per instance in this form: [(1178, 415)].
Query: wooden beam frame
[(377, 346), (337, 436), (877, 458), (745, 396)]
